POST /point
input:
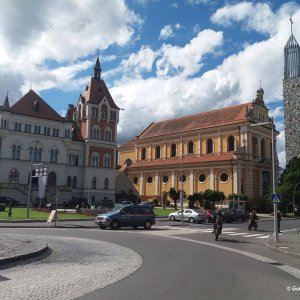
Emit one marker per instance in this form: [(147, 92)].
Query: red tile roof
[(96, 90), (214, 118), (25, 107), (186, 160)]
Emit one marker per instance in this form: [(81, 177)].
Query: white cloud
[(32, 32), (166, 32)]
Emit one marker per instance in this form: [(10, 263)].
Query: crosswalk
[(234, 232)]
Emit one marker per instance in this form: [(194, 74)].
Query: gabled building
[(78, 150), (217, 150)]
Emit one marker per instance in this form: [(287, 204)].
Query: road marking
[(239, 233), (253, 235), (263, 237), (286, 268)]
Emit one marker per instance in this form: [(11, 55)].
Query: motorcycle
[(218, 231), (252, 224)]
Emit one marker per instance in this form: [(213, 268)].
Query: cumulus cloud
[(166, 32), (65, 31)]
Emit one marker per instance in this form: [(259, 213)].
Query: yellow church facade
[(219, 150)]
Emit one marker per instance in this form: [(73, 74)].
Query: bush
[(2, 207)]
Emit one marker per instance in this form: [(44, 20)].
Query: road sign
[(276, 198)]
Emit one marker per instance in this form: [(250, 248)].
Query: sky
[(160, 59)]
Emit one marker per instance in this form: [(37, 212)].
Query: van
[(127, 216)]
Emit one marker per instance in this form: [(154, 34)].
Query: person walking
[(278, 221)]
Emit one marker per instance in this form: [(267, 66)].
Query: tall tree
[(288, 181)]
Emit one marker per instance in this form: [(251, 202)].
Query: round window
[(149, 179), (202, 177), (182, 178), (135, 180), (165, 179), (224, 177)]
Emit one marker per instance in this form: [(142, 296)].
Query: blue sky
[(160, 59)]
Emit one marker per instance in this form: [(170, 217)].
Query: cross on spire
[(7, 93), (291, 19), (260, 84)]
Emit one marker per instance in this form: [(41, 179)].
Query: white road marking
[(253, 235), (263, 237), (239, 233)]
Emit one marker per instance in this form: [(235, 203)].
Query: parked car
[(7, 200), (241, 215), (190, 215), (229, 215), (127, 216)]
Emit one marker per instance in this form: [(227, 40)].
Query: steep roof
[(33, 105), (96, 90), (215, 118)]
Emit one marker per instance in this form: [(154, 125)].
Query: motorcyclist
[(253, 218), (218, 221)]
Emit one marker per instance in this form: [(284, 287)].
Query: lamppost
[(294, 198), (181, 178), (40, 171), (273, 175)]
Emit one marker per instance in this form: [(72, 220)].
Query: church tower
[(291, 97)]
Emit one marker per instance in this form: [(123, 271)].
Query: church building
[(217, 150), (78, 150)]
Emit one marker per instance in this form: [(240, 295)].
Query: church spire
[(291, 56), (6, 102), (97, 68)]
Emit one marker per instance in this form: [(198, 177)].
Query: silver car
[(190, 215)]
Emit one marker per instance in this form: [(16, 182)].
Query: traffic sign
[(276, 198)]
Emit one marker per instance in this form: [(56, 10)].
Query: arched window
[(53, 155), (52, 179), (106, 163), (94, 183), (190, 147), (128, 161), (263, 149), (230, 143), (157, 152), (254, 147), (95, 160), (107, 135), (106, 183), (209, 145), (74, 182), (14, 176), (104, 112), (96, 133), (13, 152), (143, 156), (35, 154), (94, 112), (173, 150), (69, 181)]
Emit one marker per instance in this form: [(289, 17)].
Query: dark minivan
[(127, 216)]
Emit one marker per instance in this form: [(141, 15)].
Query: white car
[(190, 215)]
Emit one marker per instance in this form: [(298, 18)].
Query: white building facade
[(78, 150)]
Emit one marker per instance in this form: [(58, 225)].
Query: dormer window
[(36, 105)]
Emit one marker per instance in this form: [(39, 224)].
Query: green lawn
[(160, 212), (21, 214)]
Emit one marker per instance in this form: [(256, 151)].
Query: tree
[(213, 196), (175, 195), (288, 180), (193, 198)]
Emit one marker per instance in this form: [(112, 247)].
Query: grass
[(21, 214), (160, 212)]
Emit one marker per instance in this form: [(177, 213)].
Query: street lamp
[(181, 177), (273, 175), (294, 198)]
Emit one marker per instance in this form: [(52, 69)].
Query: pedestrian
[(278, 221)]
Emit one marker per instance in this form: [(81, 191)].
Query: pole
[(181, 192), (294, 198), (56, 200), (276, 240), (29, 189)]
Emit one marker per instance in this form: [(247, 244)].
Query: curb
[(280, 250), (6, 260)]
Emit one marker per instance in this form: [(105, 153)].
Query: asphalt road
[(186, 263)]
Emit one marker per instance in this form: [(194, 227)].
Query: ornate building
[(78, 150), (291, 98), (217, 150)]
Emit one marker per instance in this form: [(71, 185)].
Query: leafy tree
[(193, 198), (213, 196), (288, 180), (175, 195)]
